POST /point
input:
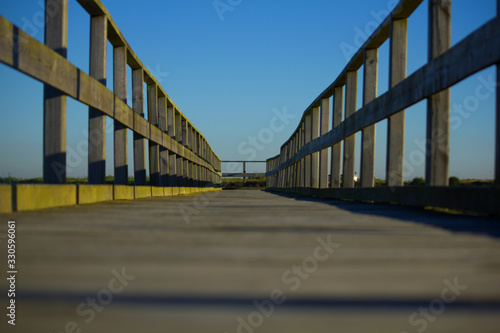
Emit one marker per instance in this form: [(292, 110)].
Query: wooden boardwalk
[(253, 261)]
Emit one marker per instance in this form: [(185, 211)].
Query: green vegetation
[(417, 181), (237, 183), (454, 181)]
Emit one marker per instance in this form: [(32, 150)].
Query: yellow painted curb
[(182, 190), (168, 191), (94, 193), (175, 191), (5, 198), (40, 196), (142, 191), (157, 191), (123, 192)]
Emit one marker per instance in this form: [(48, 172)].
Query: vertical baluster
[(396, 122), (438, 105), (185, 143), (97, 119), (368, 133), (120, 130), (323, 157), (178, 138), (307, 139), (338, 107), (350, 142), (154, 165), (172, 158), (139, 141), (162, 125), (54, 102), (315, 155)]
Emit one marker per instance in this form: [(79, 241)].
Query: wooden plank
[(54, 101), (368, 133), (438, 105), (8, 42), (475, 52), (124, 115), (141, 126), (396, 123), (95, 94), (382, 265), (350, 141), (97, 120), (156, 135), (123, 112)]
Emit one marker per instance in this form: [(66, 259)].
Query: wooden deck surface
[(253, 261)]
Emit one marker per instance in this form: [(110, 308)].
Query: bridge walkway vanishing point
[(214, 263)]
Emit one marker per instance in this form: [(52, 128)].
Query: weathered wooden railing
[(179, 155), (302, 165)]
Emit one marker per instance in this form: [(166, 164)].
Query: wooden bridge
[(311, 254)]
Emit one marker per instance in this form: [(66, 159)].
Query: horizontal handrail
[(303, 166), (414, 89), (179, 153)]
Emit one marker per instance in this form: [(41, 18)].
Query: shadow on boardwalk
[(456, 223)]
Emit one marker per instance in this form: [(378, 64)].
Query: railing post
[(296, 182), (338, 107), (139, 141), (396, 122), (54, 102), (193, 149), (315, 155), (307, 139), (244, 171), (178, 138), (154, 153), (350, 142), (368, 133), (97, 119), (185, 143), (120, 131), (284, 173), (291, 168), (172, 177), (323, 158), (438, 105), (162, 125)]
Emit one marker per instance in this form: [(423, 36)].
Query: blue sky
[(232, 72)]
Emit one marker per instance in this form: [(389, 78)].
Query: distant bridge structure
[(243, 174)]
